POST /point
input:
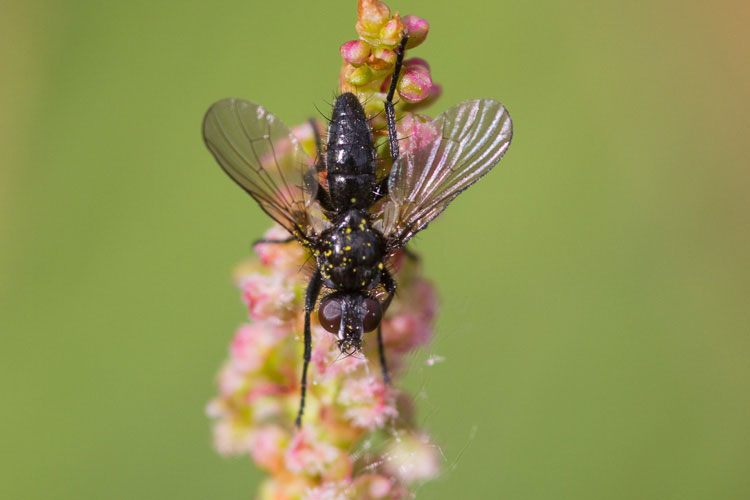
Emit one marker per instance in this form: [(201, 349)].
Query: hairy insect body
[(350, 156), (351, 256), (352, 252)]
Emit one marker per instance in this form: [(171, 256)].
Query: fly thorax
[(351, 253)]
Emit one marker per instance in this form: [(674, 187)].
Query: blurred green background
[(594, 287)]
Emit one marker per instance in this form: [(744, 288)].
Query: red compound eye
[(329, 314), (373, 314)]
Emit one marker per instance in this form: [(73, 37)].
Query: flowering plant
[(332, 456)]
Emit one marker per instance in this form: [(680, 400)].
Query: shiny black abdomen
[(350, 156), (350, 254)]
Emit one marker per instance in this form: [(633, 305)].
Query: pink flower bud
[(268, 298), (230, 438), (406, 332), (283, 257), (368, 403), (372, 15), (391, 33), (417, 131), (378, 487), (252, 345), (416, 82), (386, 55), (309, 455), (267, 447), (417, 62), (360, 76), (413, 458), (355, 52), (417, 28), (435, 91), (231, 379), (329, 491)]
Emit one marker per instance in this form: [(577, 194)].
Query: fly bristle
[(325, 117)]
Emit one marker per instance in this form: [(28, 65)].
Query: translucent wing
[(263, 156), (469, 139)]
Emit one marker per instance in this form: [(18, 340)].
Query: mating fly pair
[(354, 223)]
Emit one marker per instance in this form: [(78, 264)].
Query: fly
[(354, 225)]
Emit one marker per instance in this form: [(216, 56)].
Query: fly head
[(349, 316)]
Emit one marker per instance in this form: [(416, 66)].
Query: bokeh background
[(595, 287)]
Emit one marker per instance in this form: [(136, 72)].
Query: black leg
[(321, 195), (324, 199), (318, 142), (381, 350), (390, 112), (390, 286), (320, 164), (381, 189), (311, 297), (285, 240), (412, 256)]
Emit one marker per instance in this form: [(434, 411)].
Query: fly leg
[(412, 256), (381, 351), (324, 199), (390, 112), (319, 164), (321, 195), (390, 286), (381, 189), (264, 240), (311, 297)]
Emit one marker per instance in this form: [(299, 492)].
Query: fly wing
[(469, 139), (263, 156)]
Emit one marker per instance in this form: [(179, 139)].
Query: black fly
[(354, 225)]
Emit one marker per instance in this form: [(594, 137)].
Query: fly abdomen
[(350, 155), (358, 188)]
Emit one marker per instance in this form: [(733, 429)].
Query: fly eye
[(329, 314), (373, 313)]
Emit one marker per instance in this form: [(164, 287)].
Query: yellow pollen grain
[(347, 248), (380, 266)]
